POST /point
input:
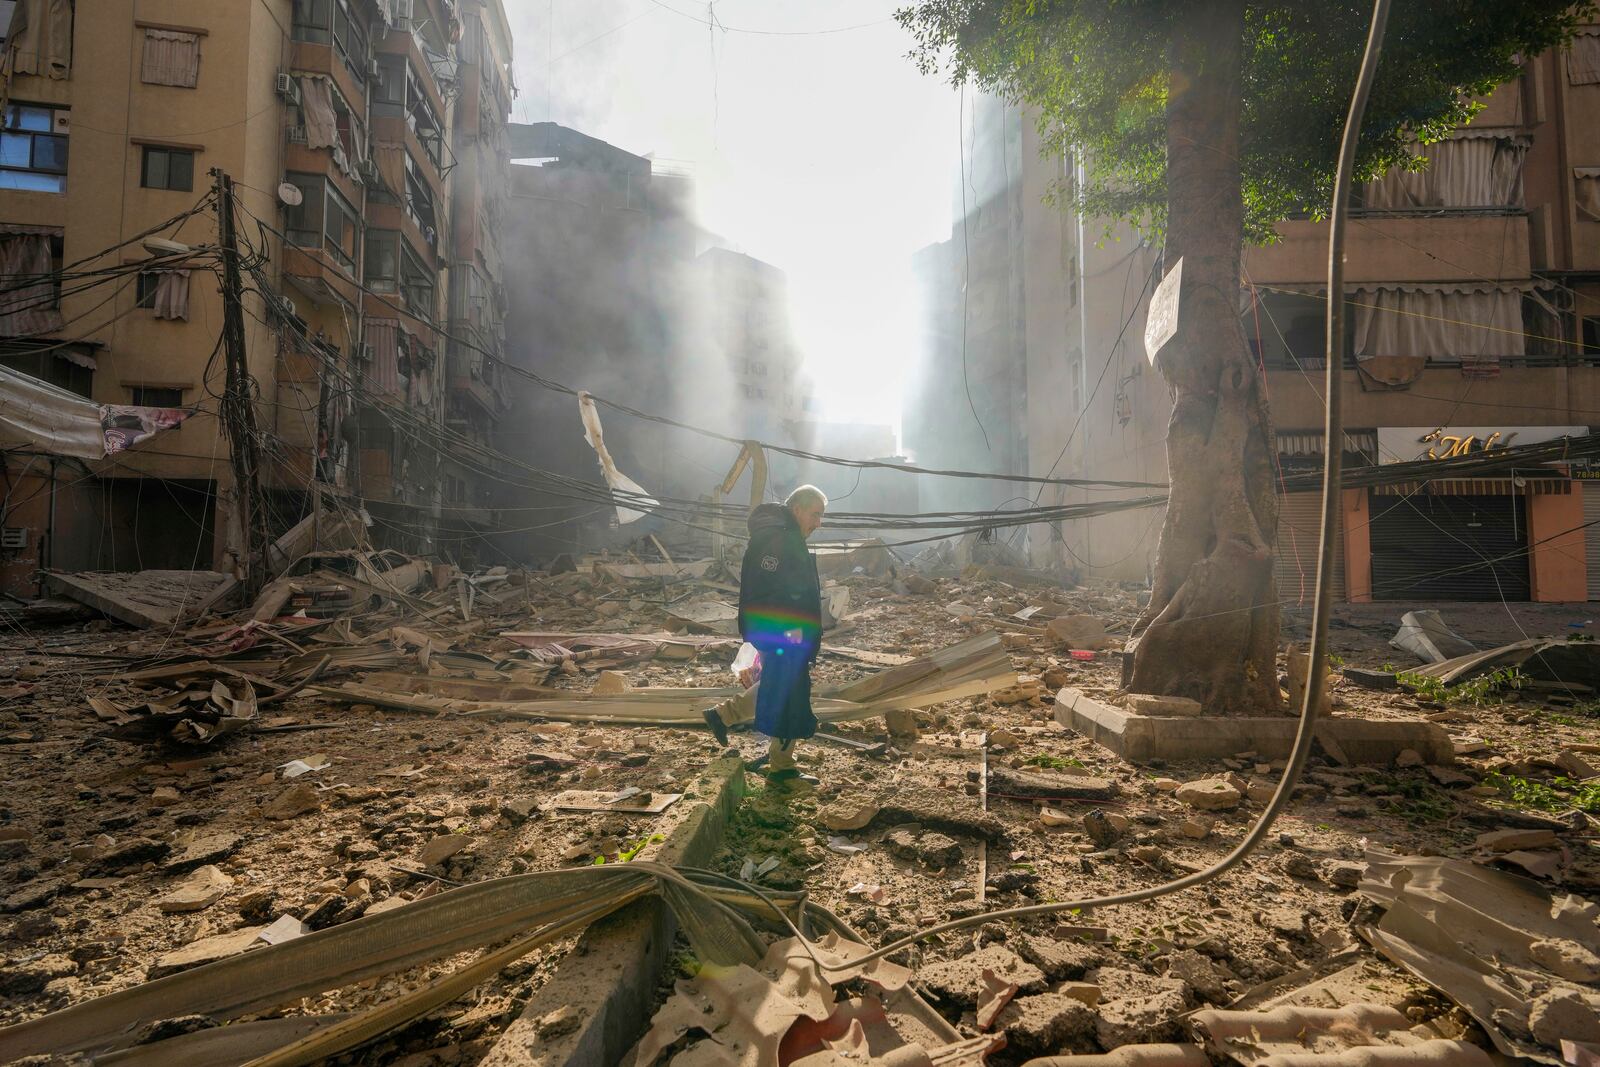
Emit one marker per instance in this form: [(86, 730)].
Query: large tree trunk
[(1211, 630)]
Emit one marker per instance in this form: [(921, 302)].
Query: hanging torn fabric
[(316, 104), (35, 414), (123, 425), (618, 481)]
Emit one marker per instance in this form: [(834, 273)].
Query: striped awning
[(1534, 485), (1299, 443)]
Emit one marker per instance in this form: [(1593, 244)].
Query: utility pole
[(237, 409)]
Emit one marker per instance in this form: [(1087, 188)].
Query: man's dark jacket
[(778, 587)]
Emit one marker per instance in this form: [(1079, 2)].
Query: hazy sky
[(825, 154)]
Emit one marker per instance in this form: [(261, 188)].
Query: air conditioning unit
[(375, 71), (364, 353), (368, 170), (288, 88), (402, 15)]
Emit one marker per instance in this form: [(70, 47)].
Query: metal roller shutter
[(1299, 528), (1428, 547), (1591, 535)]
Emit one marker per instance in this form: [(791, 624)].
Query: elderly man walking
[(780, 613)]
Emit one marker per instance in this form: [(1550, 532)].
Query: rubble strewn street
[(142, 839)]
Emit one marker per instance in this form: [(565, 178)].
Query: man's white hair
[(805, 496)]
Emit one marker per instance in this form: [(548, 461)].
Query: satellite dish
[(289, 193)]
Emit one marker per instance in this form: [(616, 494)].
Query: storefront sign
[(1402, 444)]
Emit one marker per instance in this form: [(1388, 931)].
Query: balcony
[(1398, 248), (467, 378)]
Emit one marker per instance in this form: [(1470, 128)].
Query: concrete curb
[(607, 982)]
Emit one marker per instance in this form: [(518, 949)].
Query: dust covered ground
[(101, 837)]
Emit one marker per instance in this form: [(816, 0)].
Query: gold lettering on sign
[(1443, 445)]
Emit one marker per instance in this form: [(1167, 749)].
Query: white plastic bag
[(748, 659)]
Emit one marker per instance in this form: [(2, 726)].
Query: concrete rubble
[(209, 788)]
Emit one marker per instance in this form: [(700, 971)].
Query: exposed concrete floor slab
[(1140, 738)]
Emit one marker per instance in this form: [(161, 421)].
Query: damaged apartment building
[(620, 292), (365, 142), (1473, 291)]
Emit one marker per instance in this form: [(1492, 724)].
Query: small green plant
[(1561, 794), (627, 855), (1055, 763), (1388, 667), (1423, 803), (1480, 691)]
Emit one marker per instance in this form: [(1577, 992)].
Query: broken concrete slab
[(1514, 840), (1081, 631), (613, 972), (145, 599), (205, 950), (203, 888), (1209, 794), (1048, 1023), (1139, 738), (960, 981)]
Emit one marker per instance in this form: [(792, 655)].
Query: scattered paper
[(284, 928), (844, 846), (296, 767)]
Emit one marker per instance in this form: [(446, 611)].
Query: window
[(166, 292), (391, 87), (168, 168), (382, 263), (74, 375), (33, 149), (422, 119), (333, 22), (419, 201), (171, 57), (7, 8), (323, 219), (1591, 337), (416, 282), (156, 396)]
